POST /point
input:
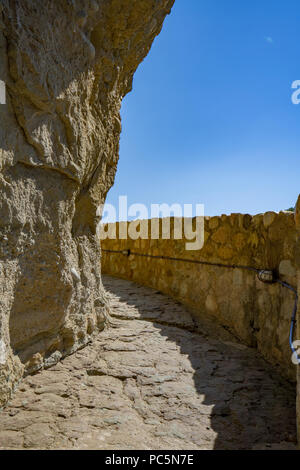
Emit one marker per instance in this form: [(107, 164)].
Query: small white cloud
[(269, 39)]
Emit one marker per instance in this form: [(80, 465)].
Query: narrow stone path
[(148, 382)]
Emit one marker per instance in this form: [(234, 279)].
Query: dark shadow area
[(250, 405)]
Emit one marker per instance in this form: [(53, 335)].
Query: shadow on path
[(248, 403)]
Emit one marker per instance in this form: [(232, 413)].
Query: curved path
[(149, 382)]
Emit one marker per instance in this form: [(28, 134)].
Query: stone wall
[(259, 314)]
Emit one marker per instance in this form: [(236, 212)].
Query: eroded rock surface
[(150, 383), (66, 64)]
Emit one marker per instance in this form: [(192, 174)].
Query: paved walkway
[(148, 382)]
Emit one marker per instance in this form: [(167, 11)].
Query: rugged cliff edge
[(67, 64)]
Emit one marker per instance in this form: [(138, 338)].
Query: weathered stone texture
[(67, 64), (149, 383), (257, 313)]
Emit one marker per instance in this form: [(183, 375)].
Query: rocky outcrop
[(67, 64)]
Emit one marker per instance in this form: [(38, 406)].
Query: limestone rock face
[(66, 64)]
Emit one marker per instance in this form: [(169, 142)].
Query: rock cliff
[(66, 64)]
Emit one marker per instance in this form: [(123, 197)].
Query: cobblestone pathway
[(148, 382)]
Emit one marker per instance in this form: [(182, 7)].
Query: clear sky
[(210, 119)]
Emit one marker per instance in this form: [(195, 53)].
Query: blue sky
[(210, 119)]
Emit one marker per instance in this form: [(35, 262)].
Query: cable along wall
[(223, 280)]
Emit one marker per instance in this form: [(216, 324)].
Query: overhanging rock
[(66, 64)]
